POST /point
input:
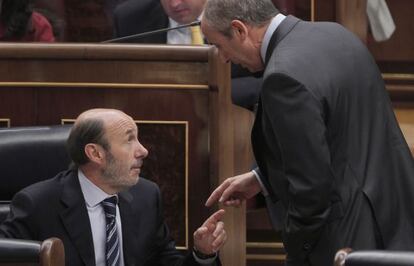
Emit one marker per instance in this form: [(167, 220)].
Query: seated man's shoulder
[(50, 187), (146, 185), (146, 194)]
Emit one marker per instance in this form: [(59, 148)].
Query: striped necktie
[(196, 38), (112, 239)]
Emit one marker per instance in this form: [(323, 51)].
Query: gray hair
[(84, 132), (219, 13)]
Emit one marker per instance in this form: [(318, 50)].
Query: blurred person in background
[(19, 22)]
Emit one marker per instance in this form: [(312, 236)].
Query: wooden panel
[(396, 55), (352, 14), (325, 10), (303, 9), (222, 128), (167, 167), (400, 46)]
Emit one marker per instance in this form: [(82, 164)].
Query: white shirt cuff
[(264, 190)]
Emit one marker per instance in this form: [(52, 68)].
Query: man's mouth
[(181, 11), (136, 166)]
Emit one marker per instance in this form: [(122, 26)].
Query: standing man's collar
[(269, 32)]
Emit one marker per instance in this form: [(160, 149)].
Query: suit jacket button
[(306, 246)]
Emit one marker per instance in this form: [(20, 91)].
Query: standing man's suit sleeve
[(296, 120)]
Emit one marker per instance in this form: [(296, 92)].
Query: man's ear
[(95, 153), (240, 30)]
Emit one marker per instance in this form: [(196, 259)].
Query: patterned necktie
[(196, 38), (112, 239)]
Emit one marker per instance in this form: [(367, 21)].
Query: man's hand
[(234, 190), (210, 237)]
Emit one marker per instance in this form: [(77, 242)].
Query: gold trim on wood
[(67, 121), (105, 85), (313, 12), (264, 245), (94, 51), (5, 120), (186, 168), (265, 257), (398, 76), (162, 122), (400, 88)]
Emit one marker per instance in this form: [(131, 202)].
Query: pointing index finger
[(214, 218), (217, 193)]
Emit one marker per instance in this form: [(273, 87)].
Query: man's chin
[(184, 17), (132, 181)]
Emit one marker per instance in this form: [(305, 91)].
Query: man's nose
[(224, 57), (141, 151), (175, 3)]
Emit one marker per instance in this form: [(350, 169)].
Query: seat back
[(50, 252), (345, 257), (29, 155)]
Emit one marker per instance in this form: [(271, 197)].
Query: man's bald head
[(90, 127)]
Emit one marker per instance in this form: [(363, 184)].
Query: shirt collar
[(93, 195), (269, 32)]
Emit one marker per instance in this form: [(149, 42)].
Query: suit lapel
[(76, 220), (129, 228), (284, 28)]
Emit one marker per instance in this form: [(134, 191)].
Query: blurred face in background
[(183, 11)]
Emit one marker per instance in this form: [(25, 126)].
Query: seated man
[(101, 209)]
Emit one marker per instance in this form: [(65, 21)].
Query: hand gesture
[(234, 190), (210, 237)]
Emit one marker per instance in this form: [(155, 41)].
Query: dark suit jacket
[(137, 16), (329, 147), (56, 208)]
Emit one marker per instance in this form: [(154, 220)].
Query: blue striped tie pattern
[(112, 239)]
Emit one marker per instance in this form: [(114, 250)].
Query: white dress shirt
[(93, 197), (179, 36), (269, 32)]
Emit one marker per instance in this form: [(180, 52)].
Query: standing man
[(104, 213), (138, 16), (325, 136)]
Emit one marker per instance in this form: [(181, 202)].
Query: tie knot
[(109, 205)]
